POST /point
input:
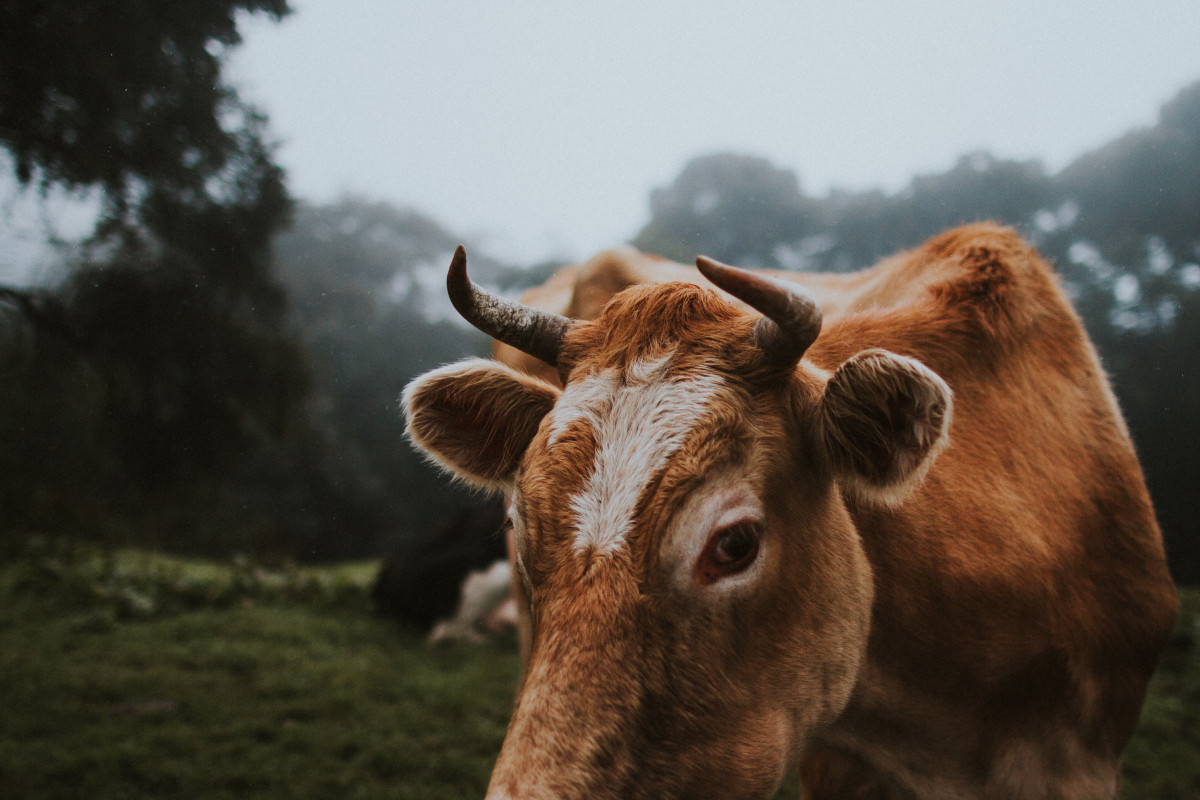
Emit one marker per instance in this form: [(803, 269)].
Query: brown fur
[(987, 632)]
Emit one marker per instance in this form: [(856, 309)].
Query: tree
[(1147, 181), (128, 96), (730, 207), (171, 318), (866, 226), (367, 284)]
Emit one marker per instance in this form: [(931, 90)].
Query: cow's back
[(1024, 585), (1022, 593)]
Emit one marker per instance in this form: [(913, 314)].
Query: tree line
[(219, 370)]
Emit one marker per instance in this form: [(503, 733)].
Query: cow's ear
[(884, 418), (476, 418)]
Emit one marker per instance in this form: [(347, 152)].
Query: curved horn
[(537, 333), (791, 316)]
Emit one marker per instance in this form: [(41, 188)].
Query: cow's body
[(982, 629)]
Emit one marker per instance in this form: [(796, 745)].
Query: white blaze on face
[(638, 424)]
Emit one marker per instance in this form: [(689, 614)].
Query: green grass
[(1162, 761), (287, 689), (140, 676)]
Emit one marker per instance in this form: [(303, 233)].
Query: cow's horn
[(791, 317), (537, 333)]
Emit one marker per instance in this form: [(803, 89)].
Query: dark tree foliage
[(188, 380), (1157, 380), (1147, 181), (367, 290), (127, 95), (747, 211), (729, 207), (170, 328), (978, 187)]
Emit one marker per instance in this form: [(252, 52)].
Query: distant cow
[(449, 583), (904, 542)]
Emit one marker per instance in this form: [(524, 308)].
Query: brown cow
[(914, 552)]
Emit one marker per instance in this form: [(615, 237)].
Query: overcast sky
[(539, 127)]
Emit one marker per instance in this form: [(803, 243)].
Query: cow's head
[(699, 595)]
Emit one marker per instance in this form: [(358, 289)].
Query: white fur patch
[(582, 400), (638, 422)]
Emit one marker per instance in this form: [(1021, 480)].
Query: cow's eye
[(735, 545), (730, 550)]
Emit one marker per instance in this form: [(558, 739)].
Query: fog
[(539, 131)]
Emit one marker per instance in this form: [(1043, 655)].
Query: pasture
[(133, 675)]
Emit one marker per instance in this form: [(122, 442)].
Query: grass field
[(135, 675)]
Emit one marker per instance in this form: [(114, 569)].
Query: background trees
[(219, 370), (129, 97), (730, 207), (169, 332), (368, 302)]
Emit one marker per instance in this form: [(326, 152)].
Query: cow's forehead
[(620, 428)]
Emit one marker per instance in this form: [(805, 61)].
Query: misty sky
[(539, 128)]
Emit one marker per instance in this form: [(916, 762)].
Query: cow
[(451, 584), (888, 527)]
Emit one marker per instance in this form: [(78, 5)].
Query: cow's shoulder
[(970, 295), (982, 273), (990, 276)]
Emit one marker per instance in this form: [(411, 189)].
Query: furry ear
[(476, 418), (884, 419)]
